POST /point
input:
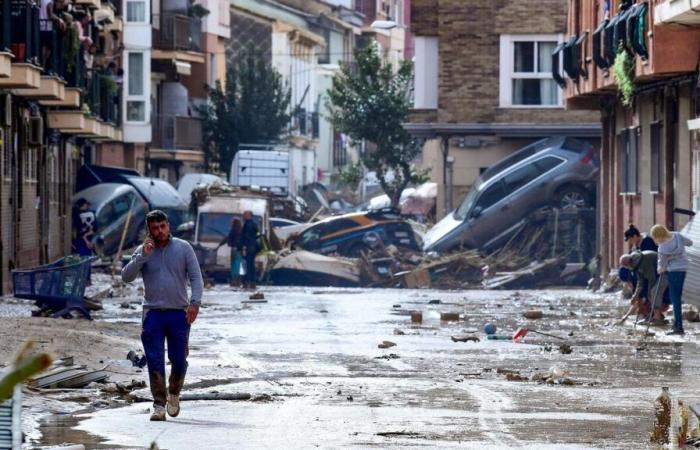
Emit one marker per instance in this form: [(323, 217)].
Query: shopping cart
[(58, 288)]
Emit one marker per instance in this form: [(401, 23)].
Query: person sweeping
[(166, 264), (673, 262)]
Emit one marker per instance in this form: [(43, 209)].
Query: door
[(484, 221), (522, 194)]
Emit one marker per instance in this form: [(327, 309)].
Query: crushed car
[(352, 234)]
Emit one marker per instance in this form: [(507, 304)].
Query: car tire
[(572, 197)]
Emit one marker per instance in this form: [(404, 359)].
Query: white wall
[(426, 72), (137, 38)]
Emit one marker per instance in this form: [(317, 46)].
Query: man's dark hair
[(81, 202), (156, 216), (631, 231)]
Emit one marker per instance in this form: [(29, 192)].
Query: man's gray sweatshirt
[(165, 273)]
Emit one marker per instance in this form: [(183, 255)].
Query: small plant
[(351, 175), (623, 69), (25, 366), (197, 10)]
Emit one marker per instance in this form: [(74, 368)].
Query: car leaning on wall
[(351, 234), (111, 203), (561, 172)]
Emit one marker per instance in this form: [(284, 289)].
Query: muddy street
[(310, 360)]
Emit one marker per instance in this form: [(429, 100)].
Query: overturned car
[(352, 234)]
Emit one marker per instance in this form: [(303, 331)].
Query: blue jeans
[(159, 326), (236, 259), (675, 287)]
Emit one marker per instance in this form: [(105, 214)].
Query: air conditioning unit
[(5, 110), (36, 131)]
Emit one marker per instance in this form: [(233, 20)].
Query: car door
[(522, 194), (484, 220)]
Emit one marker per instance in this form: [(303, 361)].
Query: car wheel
[(572, 197)]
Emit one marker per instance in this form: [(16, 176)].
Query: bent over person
[(166, 264)]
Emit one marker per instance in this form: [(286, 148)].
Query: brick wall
[(469, 47)]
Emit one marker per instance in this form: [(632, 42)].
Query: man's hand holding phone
[(148, 246)]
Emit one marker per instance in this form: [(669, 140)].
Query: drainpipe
[(447, 201)]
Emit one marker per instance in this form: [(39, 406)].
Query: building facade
[(60, 94), (483, 86), (649, 149)]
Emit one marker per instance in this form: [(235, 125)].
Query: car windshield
[(176, 217), (213, 227), (461, 212)]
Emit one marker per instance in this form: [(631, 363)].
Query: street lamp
[(383, 24)]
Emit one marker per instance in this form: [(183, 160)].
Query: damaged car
[(352, 234), (560, 172)]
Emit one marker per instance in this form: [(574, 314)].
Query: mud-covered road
[(314, 352)]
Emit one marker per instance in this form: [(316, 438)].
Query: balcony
[(305, 124), (177, 36), (103, 98), (50, 88), (681, 12), (19, 40), (590, 53), (177, 133)]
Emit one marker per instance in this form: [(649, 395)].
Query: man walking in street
[(249, 248), (166, 264)]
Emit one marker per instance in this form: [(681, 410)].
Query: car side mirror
[(477, 212)]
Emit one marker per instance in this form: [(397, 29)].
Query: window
[(135, 73), (136, 11), (657, 161), (339, 225), (526, 71), (548, 163), (628, 150), (106, 216), (135, 111), (135, 101), (520, 177), (427, 61), (490, 196)]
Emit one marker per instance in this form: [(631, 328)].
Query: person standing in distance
[(249, 248), (166, 264)]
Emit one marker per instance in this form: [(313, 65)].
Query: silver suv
[(558, 171)]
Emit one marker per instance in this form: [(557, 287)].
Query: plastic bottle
[(662, 419)]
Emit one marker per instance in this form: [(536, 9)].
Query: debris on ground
[(388, 357), (387, 344), (565, 349), (136, 360), (416, 316), (257, 296), (465, 339), (449, 317), (533, 314), (63, 374), (398, 332)]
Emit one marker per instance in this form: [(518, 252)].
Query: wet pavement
[(314, 352)]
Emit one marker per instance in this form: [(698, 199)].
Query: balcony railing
[(19, 29), (104, 97), (306, 124), (177, 32), (340, 152), (177, 133)]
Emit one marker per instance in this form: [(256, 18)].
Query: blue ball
[(490, 328)]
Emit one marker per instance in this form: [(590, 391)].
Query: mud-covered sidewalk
[(315, 354)]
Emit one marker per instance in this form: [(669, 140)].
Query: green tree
[(252, 108), (370, 101)]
